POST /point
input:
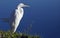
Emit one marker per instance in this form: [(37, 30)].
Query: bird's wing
[(4, 19)]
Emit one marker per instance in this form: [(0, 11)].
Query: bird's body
[(16, 17)]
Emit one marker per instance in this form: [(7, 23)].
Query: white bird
[(16, 17)]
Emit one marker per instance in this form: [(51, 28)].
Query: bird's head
[(22, 5)]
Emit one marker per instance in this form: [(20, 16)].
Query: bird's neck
[(20, 10)]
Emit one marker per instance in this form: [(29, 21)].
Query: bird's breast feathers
[(18, 15)]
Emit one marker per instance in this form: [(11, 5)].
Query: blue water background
[(43, 15)]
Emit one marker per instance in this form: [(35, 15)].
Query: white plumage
[(16, 17)]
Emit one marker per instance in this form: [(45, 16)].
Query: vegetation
[(15, 35)]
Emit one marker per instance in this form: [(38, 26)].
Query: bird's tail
[(13, 29)]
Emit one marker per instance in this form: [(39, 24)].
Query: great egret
[(16, 17)]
